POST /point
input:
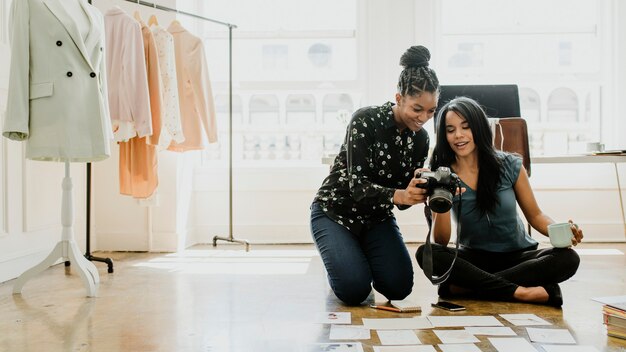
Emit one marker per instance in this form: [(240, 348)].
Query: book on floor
[(405, 306), (616, 331), (611, 319), (619, 308), (614, 316)]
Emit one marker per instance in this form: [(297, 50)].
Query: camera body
[(441, 186)]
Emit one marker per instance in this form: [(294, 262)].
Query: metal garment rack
[(230, 237), (88, 255)]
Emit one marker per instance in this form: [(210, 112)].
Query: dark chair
[(511, 135)]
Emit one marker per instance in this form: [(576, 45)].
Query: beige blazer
[(57, 98), (194, 90), (128, 82)]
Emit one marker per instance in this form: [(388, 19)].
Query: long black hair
[(489, 164), (417, 77)]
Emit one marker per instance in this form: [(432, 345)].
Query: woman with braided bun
[(352, 222)]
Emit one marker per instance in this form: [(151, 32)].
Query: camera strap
[(427, 259)]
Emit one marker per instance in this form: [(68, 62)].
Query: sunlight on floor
[(278, 253), (598, 251), (234, 262)]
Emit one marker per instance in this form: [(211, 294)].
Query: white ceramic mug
[(595, 147), (560, 234)]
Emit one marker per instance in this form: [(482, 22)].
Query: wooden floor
[(225, 299)]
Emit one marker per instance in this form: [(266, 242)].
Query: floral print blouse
[(171, 122), (375, 159)]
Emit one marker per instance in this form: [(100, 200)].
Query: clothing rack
[(230, 237), (88, 255)]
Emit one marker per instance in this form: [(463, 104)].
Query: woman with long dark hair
[(497, 258)]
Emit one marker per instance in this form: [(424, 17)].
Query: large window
[(301, 61), (294, 74), (553, 50)]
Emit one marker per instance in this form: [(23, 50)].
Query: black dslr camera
[(441, 185)]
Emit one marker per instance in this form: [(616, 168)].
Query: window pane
[(563, 106), (283, 66), (554, 59), (337, 108), (300, 109), (264, 109)]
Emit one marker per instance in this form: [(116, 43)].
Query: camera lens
[(440, 201)]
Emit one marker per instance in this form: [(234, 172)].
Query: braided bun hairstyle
[(417, 77)]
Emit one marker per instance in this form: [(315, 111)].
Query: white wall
[(585, 193), (271, 205), (122, 223), (618, 129)]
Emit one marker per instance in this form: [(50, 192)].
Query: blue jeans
[(377, 256)]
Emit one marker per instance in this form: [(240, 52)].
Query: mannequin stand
[(67, 249)]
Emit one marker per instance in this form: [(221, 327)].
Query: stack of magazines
[(615, 319)]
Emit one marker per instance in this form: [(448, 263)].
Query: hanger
[(136, 13), (153, 21)]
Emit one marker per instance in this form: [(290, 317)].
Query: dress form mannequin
[(73, 50)]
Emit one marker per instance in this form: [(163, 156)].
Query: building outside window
[(295, 77), (556, 60)]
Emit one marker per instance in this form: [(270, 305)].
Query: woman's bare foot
[(531, 294)]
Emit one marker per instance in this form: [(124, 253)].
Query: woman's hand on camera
[(412, 194), (417, 172)]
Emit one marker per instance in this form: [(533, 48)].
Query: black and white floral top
[(375, 159)]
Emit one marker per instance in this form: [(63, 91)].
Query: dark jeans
[(492, 275), (378, 256)]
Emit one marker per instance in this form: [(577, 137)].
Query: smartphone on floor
[(453, 307)]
